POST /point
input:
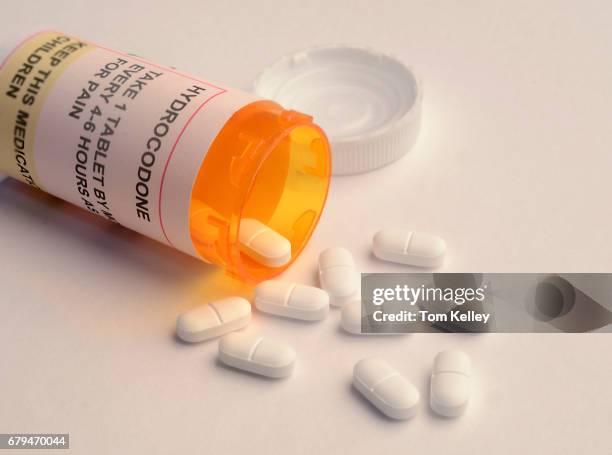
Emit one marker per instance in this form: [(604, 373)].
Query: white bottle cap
[(368, 103)]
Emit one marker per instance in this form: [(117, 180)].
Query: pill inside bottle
[(262, 244), (220, 174)]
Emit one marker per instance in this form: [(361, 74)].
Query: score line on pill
[(213, 319), (255, 354), (263, 244), (385, 388), (411, 248), (450, 383), (291, 300), (338, 276)]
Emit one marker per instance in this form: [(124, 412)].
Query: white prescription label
[(115, 134)]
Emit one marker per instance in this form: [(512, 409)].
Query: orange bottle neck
[(268, 164)]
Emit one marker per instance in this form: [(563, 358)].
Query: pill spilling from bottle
[(350, 317), (410, 248), (256, 354), (291, 300), (381, 384), (256, 154), (213, 319), (450, 383), (385, 388), (338, 276)]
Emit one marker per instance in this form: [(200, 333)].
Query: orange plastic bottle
[(161, 152)]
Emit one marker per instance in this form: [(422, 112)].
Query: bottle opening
[(260, 191)]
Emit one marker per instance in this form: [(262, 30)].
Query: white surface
[(512, 168), (368, 103)]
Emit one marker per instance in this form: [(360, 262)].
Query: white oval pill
[(411, 248), (450, 383), (291, 300), (263, 244), (338, 276), (385, 388), (213, 319), (350, 317), (251, 352)]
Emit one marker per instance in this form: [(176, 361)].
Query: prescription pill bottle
[(161, 152)]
